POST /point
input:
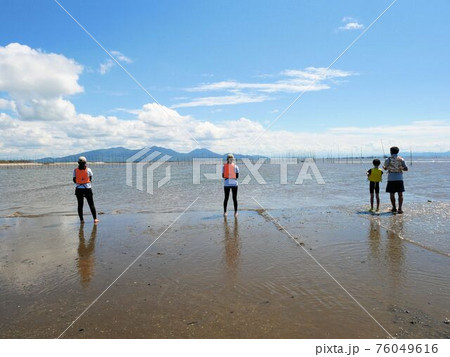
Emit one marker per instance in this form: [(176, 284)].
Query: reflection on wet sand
[(86, 261), (395, 249), (232, 249), (375, 237)]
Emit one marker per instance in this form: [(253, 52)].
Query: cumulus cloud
[(106, 66), (7, 104), (155, 125), (350, 24), (56, 109), (27, 73), (36, 83), (291, 81)]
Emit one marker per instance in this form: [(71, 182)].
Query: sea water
[(48, 190)]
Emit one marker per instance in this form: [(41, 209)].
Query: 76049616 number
[(406, 348)]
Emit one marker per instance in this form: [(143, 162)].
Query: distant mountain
[(120, 154), (205, 153)]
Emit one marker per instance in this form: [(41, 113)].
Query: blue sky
[(223, 71)]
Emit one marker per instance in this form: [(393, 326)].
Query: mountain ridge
[(121, 154)]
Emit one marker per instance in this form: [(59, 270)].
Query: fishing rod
[(382, 146)]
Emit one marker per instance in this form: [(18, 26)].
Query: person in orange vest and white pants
[(82, 177), (230, 173)]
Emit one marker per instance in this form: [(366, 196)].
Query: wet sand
[(207, 277)]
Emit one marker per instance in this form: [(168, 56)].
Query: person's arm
[(368, 172), (404, 167)]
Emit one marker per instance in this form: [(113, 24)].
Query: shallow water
[(210, 277), (48, 190)]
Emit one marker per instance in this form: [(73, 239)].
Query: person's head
[(376, 162), (395, 150), (230, 158), (82, 161)]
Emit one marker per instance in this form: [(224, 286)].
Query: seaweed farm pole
[(410, 156)]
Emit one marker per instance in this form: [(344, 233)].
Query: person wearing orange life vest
[(395, 165), (374, 176), (230, 172), (82, 177)]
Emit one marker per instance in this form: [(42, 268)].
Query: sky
[(256, 77)]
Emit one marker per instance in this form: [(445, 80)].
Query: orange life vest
[(82, 176), (229, 171)]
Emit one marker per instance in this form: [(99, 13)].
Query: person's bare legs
[(392, 196), (371, 201), (400, 202), (378, 202)]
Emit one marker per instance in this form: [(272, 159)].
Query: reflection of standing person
[(232, 247), (374, 237), (230, 173), (82, 177), (85, 257), (395, 251), (374, 176), (395, 165)]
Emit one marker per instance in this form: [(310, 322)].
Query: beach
[(300, 261), (210, 277)]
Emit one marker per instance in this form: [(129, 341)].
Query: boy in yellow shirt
[(374, 176)]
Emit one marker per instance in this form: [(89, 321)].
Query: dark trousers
[(81, 193), (234, 189)]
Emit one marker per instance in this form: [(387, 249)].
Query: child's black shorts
[(374, 186)]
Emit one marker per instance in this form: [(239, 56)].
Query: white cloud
[(36, 82), (154, 125), (310, 78), (7, 122), (27, 73), (222, 100), (291, 81), (350, 24), (121, 57), (56, 109), (7, 104), (106, 66)]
